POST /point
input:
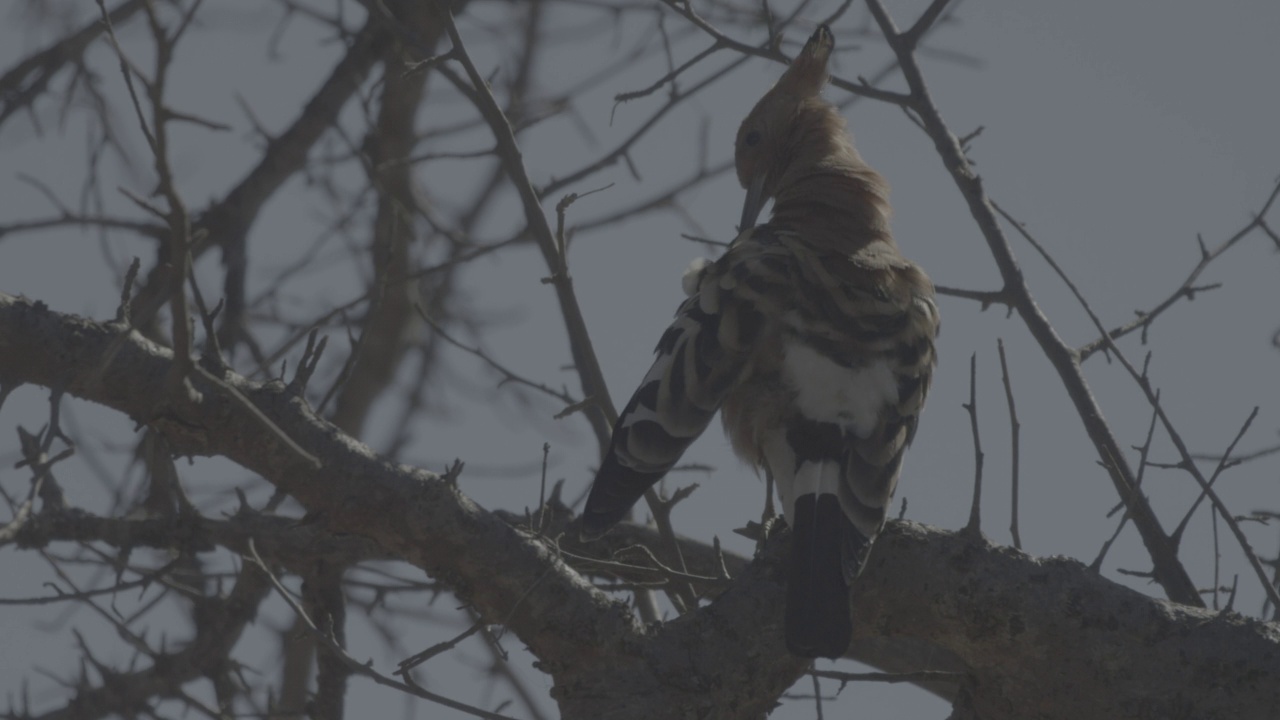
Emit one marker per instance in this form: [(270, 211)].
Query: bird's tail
[(826, 555), (616, 489)]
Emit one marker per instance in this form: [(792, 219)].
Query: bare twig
[(1015, 430), (922, 676), (1224, 462), (410, 663), (542, 489), (1188, 289), (507, 374), (986, 297), (1144, 383), (357, 667), (974, 525)]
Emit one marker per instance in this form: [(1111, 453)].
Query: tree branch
[(1169, 571), (995, 608)]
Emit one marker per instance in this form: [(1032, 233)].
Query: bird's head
[(791, 129)]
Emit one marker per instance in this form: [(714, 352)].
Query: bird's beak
[(753, 204)]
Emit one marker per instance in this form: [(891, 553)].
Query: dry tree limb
[(994, 608), (1169, 572)]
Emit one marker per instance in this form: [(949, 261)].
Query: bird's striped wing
[(699, 359)]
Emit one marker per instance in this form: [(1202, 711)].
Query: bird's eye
[(752, 139)]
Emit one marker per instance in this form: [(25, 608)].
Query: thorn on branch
[(1015, 429), (562, 239), (307, 364), (974, 526), (965, 140), (211, 356), (680, 495), (986, 298), (542, 489), (124, 312), (572, 408), (413, 661), (428, 63), (722, 570), (1191, 290), (631, 167), (1266, 229), (670, 77), (1231, 599), (452, 472)]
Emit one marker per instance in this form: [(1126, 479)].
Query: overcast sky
[(1117, 131)]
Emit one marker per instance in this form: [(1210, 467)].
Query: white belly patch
[(829, 392)]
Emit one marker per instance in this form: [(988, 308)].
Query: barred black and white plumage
[(812, 335)]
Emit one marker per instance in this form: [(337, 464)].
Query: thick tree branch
[(1047, 638), (435, 529), (998, 610)]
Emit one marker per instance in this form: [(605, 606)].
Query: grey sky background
[(1116, 131)]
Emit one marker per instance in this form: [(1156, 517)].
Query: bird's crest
[(808, 72)]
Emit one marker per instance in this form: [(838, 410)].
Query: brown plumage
[(815, 338)]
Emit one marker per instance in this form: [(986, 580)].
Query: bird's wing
[(700, 358)]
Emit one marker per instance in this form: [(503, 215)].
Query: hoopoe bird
[(814, 338)]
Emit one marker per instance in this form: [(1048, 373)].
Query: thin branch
[(357, 667), (1015, 430), (1188, 463), (911, 38), (670, 77), (584, 357), (1188, 289), (1224, 462), (974, 525), (921, 676), (986, 297), (1144, 452)]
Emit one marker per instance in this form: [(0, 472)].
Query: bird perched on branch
[(814, 338)]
